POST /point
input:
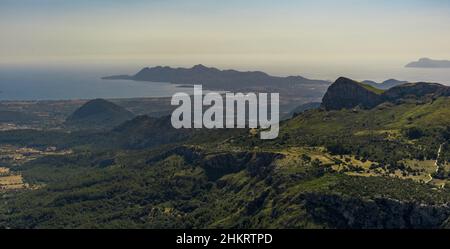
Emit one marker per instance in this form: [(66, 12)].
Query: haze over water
[(63, 84), (56, 82), (60, 49)]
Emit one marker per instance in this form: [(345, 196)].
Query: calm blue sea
[(60, 84), (65, 82)]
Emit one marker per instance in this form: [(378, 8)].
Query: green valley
[(385, 166)]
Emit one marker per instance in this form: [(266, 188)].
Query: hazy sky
[(224, 32)]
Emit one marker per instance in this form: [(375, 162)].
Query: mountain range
[(347, 93), (214, 78), (385, 84), (369, 158), (293, 90)]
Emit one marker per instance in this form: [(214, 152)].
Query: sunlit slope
[(387, 116)]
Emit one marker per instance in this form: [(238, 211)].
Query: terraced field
[(11, 181)]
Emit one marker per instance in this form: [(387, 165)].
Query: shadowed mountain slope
[(98, 113), (346, 93)]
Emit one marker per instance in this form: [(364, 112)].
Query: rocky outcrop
[(348, 212), (216, 165), (258, 164), (346, 93)]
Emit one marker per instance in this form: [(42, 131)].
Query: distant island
[(214, 78), (429, 63), (294, 90)]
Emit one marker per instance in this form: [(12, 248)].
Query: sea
[(63, 83)]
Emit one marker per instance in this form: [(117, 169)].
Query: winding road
[(437, 158), (436, 163)]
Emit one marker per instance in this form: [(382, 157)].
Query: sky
[(229, 33)]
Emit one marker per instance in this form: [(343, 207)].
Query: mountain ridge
[(214, 78), (385, 85), (345, 93)]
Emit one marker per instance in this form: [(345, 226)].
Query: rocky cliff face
[(347, 212), (216, 165), (346, 93)]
